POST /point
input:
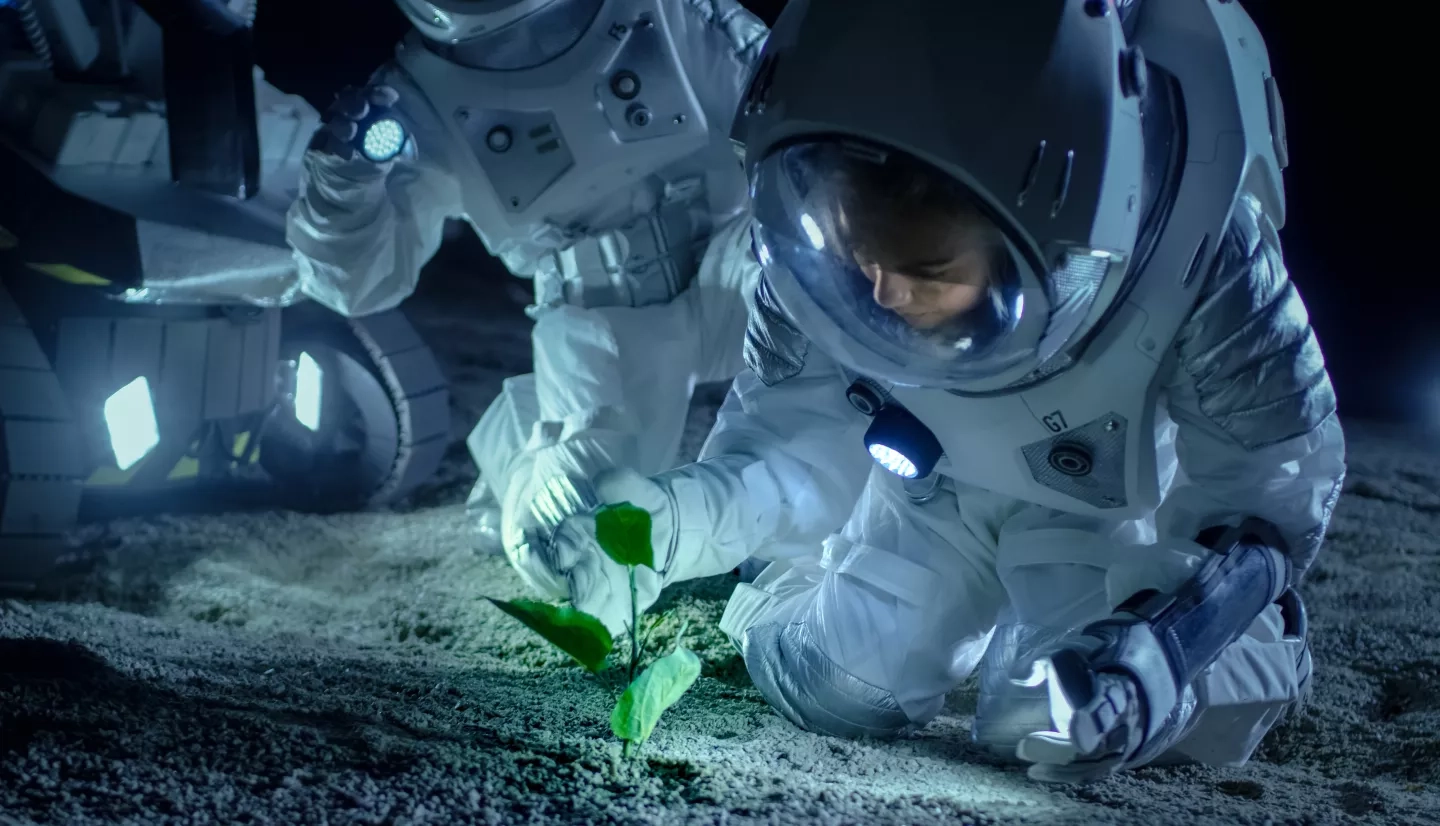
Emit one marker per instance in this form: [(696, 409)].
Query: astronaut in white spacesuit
[(1024, 295), (587, 142)]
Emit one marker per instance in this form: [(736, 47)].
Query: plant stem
[(680, 635), (649, 633), (634, 625)]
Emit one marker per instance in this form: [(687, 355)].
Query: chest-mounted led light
[(901, 443)]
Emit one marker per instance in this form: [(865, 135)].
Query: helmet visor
[(891, 264)]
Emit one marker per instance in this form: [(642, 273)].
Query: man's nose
[(891, 291)]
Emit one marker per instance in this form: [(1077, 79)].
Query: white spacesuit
[(587, 142), (1036, 273)]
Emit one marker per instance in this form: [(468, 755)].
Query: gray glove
[(1099, 718), (559, 555)]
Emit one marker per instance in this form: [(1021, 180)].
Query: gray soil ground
[(280, 668)]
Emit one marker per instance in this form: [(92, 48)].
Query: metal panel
[(82, 358), (208, 53), (182, 373), (135, 351), (33, 394), (273, 326), (253, 369), (1086, 462), (222, 372), (43, 449), (18, 348)]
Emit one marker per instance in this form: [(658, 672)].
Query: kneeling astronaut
[(588, 144), (1023, 295)]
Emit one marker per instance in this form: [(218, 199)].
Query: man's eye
[(929, 280)]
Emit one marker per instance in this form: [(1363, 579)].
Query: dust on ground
[(280, 668)]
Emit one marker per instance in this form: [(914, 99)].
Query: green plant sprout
[(623, 532)]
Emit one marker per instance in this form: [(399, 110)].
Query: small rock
[(1248, 789)]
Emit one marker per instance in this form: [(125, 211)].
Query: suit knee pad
[(812, 691)]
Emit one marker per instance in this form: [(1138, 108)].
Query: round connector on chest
[(625, 84), (864, 398), (499, 139), (1072, 459)]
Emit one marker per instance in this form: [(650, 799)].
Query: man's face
[(928, 294)]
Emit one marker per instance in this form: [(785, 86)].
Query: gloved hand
[(693, 511), (1099, 717), (342, 120), (569, 562), (551, 480), (1090, 740)]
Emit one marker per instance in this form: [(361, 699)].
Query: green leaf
[(623, 532), (656, 689), (575, 632)]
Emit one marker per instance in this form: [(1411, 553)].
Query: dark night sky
[(1358, 183)]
